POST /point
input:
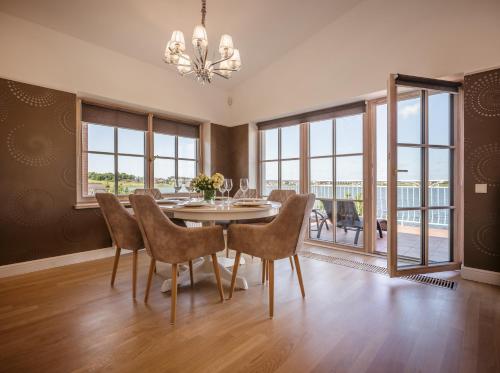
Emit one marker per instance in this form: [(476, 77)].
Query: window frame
[(83, 201)]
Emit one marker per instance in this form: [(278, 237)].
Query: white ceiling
[(263, 30)]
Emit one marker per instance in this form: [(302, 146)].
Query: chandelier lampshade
[(203, 68)]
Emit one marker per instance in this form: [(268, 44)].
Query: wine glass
[(244, 186), (189, 187), (222, 189), (177, 185), (229, 186)]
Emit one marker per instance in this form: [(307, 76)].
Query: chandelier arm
[(222, 60), (225, 70), (216, 73)]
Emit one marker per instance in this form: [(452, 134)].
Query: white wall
[(34, 54), (353, 55)]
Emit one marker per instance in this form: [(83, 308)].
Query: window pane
[(187, 147), (349, 134), (349, 175), (321, 138), (99, 138), (439, 119), (321, 183), (98, 173), (439, 235), (290, 142), (130, 174), (349, 223), (187, 169), (269, 177), (409, 130), (270, 144), (439, 177), (164, 172), (290, 171), (164, 145), (409, 249), (409, 176), (130, 141)]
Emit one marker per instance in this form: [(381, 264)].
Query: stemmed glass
[(223, 189), (244, 186), (177, 185), (228, 185), (189, 187)]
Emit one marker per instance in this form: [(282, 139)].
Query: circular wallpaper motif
[(29, 148), (32, 207), (483, 96), (486, 235), (68, 177), (4, 110), (32, 95), (484, 162), (66, 118)]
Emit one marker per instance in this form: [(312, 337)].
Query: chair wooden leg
[(263, 271), (267, 270), (134, 273), (217, 276), (235, 271), (271, 288), (299, 275), (191, 273), (173, 294), (115, 265), (291, 262), (152, 266)]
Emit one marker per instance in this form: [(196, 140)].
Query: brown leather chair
[(169, 243), (124, 232), (280, 195), (153, 192), (282, 238)]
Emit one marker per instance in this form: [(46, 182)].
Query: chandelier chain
[(203, 11)]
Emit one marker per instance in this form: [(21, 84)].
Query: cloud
[(409, 110)]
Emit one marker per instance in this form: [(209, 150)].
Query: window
[(113, 159), (280, 159), (335, 165), (175, 159), (123, 151)]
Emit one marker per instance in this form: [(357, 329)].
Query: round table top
[(218, 211)]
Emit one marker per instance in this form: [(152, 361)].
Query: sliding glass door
[(421, 140)]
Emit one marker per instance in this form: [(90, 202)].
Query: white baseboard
[(480, 275), (56, 261)]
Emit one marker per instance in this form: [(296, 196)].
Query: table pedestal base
[(203, 268)]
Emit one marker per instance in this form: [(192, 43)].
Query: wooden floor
[(69, 319)]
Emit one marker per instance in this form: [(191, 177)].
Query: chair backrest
[(290, 226), (122, 226), (280, 195), (328, 206), (250, 193), (153, 192), (347, 214), (163, 239)]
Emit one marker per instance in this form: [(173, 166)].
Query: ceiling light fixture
[(200, 65)]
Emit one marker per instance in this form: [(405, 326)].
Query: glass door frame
[(456, 176)]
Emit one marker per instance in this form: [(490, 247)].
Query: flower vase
[(209, 196)]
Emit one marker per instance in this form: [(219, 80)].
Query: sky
[(348, 138)]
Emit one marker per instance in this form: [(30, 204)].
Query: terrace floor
[(408, 241)]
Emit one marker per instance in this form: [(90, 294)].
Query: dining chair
[(282, 238), (153, 192), (169, 243), (124, 232), (250, 193)]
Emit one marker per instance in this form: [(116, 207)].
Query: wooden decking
[(69, 319)]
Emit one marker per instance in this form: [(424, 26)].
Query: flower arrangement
[(207, 185)]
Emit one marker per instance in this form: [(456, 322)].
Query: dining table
[(209, 214)]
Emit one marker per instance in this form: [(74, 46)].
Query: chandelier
[(203, 68)]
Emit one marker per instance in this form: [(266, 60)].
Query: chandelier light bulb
[(235, 60), (200, 37), (177, 42), (226, 45)]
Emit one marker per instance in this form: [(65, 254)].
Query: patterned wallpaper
[(38, 177), (482, 166)]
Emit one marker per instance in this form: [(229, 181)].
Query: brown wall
[(229, 152), (38, 177), (482, 166)]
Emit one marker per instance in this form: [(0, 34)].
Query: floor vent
[(423, 279)]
